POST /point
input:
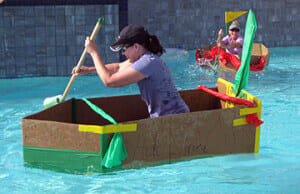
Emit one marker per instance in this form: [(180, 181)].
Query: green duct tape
[(62, 159), (100, 20)]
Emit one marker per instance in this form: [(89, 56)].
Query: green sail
[(242, 75)]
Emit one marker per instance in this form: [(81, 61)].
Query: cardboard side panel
[(254, 59), (259, 50), (198, 100), (266, 54), (222, 88), (121, 108), (61, 112), (58, 135), (132, 107), (185, 135), (149, 143)]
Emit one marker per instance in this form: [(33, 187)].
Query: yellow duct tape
[(107, 128), (241, 121), (257, 138), (247, 111)]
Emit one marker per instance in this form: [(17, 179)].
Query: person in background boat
[(143, 66), (233, 43)]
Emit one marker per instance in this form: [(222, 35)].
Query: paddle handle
[(217, 57), (82, 58)]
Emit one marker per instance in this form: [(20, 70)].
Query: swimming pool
[(276, 168)]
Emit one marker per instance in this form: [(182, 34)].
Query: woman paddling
[(143, 66), (233, 43)]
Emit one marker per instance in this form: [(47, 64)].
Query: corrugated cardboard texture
[(185, 135), (198, 100), (222, 89), (50, 134), (257, 51)]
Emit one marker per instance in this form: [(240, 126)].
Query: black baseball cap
[(129, 35)]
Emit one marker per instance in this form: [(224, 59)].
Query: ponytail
[(153, 45)]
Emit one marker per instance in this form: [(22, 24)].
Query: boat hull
[(259, 50), (54, 139)]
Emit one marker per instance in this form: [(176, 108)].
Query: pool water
[(276, 168)]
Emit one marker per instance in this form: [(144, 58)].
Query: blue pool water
[(276, 168)]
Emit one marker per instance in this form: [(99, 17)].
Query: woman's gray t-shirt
[(158, 89)]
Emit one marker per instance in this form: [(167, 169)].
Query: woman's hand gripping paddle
[(48, 102)]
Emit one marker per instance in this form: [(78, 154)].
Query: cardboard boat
[(257, 62), (70, 137)]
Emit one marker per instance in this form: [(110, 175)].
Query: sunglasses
[(235, 30), (124, 48)]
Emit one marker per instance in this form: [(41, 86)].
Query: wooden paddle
[(82, 58), (56, 99)]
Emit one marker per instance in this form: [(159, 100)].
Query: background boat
[(259, 58)]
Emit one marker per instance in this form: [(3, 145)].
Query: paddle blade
[(51, 101)]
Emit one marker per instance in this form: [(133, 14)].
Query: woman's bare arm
[(122, 77)]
